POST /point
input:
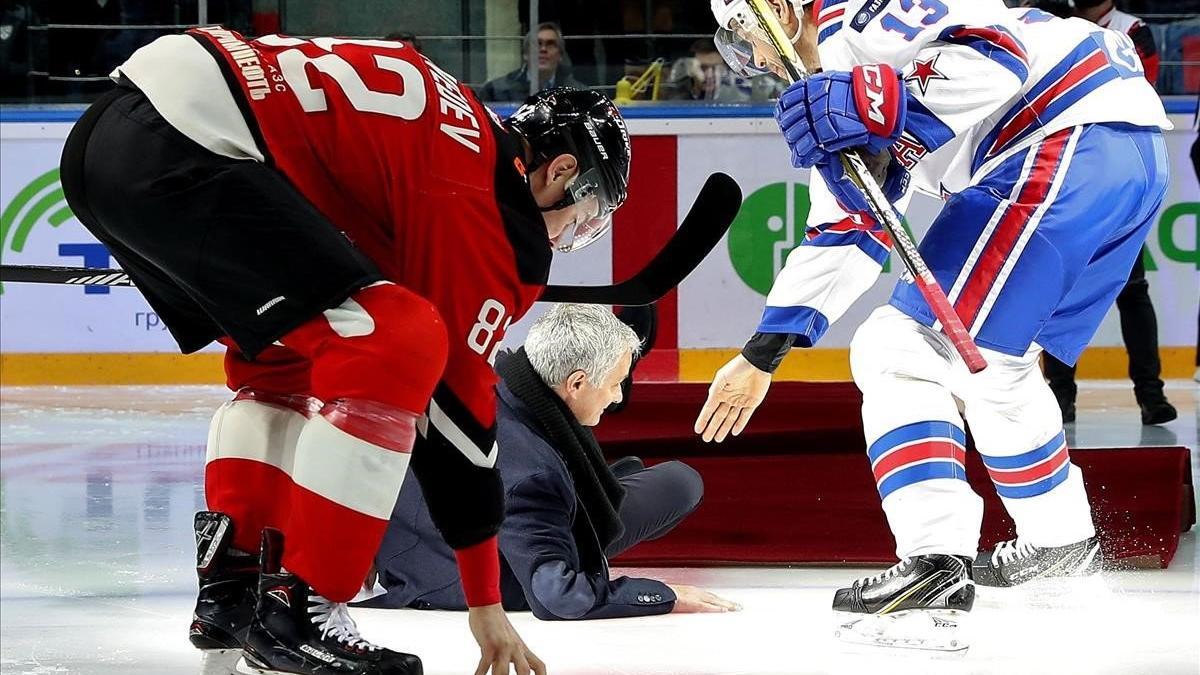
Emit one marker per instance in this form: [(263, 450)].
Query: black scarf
[(596, 488)]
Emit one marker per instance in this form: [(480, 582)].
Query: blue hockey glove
[(894, 184), (836, 110)]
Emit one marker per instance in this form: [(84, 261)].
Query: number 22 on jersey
[(408, 103)]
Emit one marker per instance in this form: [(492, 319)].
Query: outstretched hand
[(501, 649), (692, 600), (736, 392)]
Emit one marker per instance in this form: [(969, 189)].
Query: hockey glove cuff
[(894, 184)]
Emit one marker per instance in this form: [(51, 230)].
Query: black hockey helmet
[(586, 125)]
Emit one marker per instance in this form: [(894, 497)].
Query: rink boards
[(99, 335)]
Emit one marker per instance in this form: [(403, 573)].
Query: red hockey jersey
[(424, 180)]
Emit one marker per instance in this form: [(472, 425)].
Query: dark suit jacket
[(551, 559)]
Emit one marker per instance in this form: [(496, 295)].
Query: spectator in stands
[(566, 510), (554, 68), (406, 37), (1139, 325), (15, 19), (703, 76)]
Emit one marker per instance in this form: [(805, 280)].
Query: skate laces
[(886, 574), (1011, 550), (333, 618)]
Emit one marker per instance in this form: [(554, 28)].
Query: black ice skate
[(296, 631), (228, 581), (918, 603), (1015, 562)]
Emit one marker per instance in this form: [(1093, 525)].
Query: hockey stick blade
[(76, 276), (705, 224)]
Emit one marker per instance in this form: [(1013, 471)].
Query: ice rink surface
[(98, 486)]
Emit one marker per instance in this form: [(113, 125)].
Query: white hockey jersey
[(984, 81)]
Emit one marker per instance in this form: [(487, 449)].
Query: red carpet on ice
[(796, 487)]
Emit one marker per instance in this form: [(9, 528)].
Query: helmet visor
[(738, 53), (741, 35), (593, 212), (583, 233)]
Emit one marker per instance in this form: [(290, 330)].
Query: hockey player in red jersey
[(359, 231)]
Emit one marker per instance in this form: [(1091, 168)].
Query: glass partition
[(52, 51)]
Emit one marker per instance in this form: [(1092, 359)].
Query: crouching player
[(1044, 139), (359, 231)]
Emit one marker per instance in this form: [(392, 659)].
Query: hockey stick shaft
[(709, 218), (856, 169), (77, 276)]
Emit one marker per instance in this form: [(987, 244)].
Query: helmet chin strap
[(563, 203)]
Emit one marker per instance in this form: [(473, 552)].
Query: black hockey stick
[(79, 276), (705, 224)]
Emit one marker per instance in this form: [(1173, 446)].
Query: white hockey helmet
[(735, 21)]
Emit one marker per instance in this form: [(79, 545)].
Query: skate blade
[(220, 661), (1058, 592), (245, 667), (925, 629)]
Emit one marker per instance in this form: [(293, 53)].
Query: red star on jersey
[(923, 72)]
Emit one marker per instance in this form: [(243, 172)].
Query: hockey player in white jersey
[(1044, 139)]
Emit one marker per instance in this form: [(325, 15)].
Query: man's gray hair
[(573, 337)]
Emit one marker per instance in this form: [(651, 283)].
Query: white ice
[(97, 488)]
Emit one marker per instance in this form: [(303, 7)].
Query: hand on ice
[(692, 600), (501, 649)]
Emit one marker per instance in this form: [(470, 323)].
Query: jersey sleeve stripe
[(440, 422), (1078, 74), (450, 419), (807, 323), (1057, 96), (828, 17), (993, 42), (820, 7), (829, 31), (831, 15), (875, 244)]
